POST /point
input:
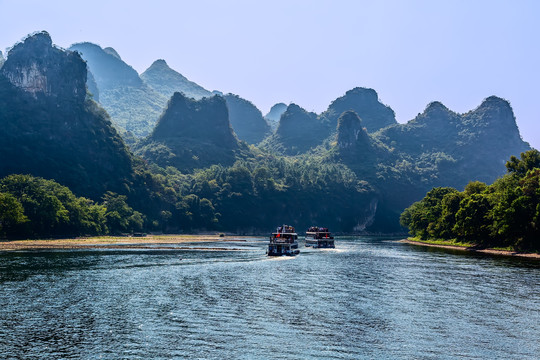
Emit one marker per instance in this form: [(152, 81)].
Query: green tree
[(120, 216), (11, 214), (423, 217), (529, 160), (52, 209), (447, 220), (472, 219)]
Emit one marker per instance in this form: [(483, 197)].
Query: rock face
[(132, 104), (246, 120), (364, 102), (2, 60), (50, 128), (274, 115), (192, 134), (298, 131), (40, 68), (166, 81), (350, 133)]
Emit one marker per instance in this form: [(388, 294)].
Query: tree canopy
[(504, 214)]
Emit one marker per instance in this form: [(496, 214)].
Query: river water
[(370, 298)]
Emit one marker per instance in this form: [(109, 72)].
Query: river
[(370, 298)]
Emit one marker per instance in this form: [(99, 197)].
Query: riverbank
[(167, 242), (473, 249)]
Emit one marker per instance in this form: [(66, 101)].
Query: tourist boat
[(319, 237), (283, 242)]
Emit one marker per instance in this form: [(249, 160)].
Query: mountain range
[(201, 159)]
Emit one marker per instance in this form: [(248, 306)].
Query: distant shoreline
[(471, 249), (150, 242)]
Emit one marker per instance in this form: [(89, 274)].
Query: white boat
[(283, 242), (319, 238)]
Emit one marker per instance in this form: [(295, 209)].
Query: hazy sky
[(311, 52)]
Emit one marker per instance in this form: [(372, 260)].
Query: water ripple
[(367, 299)]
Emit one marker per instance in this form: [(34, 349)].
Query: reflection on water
[(367, 299)]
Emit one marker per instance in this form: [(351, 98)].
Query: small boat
[(319, 237), (283, 242)]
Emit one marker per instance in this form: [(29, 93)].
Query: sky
[(310, 52)]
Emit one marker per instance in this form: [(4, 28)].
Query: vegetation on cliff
[(192, 134), (298, 132), (365, 102)]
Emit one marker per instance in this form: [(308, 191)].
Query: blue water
[(370, 298)]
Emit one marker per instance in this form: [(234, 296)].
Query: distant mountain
[(192, 134), (166, 81), (109, 70), (364, 102), (298, 132), (2, 60), (311, 133), (246, 120), (274, 115), (477, 143), (50, 128), (440, 148), (132, 105)]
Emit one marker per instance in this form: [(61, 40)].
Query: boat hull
[(282, 250), (321, 244), (287, 253)]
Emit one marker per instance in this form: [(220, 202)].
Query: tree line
[(250, 196), (504, 214)]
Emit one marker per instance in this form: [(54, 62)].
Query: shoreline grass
[(471, 247)]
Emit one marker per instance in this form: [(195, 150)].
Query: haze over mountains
[(208, 160)]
